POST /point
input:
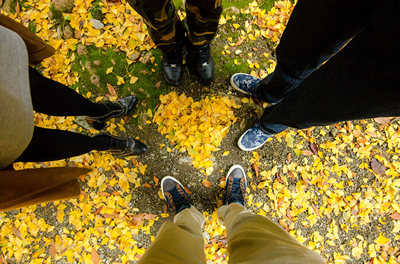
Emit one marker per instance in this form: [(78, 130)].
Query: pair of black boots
[(198, 58)]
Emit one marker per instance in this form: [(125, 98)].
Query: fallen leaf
[(138, 219), (158, 85), (378, 167), (314, 148), (16, 232), (206, 183), (349, 126), (99, 209), (289, 215), (187, 190), (255, 167), (395, 216), (289, 157), (315, 209), (144, 71), (283, 223), (53, 250), (95, 256), (307, 153), (111, 90), (382, 120), (147, 185), (278, 177), (156, 180), (291, 174)]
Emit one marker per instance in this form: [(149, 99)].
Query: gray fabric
[(16, 112)]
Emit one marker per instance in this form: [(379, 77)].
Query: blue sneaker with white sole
[(253, 138), (174, 194), (235, 188), (245, 83)]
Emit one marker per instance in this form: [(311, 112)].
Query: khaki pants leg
[(256, 239), (179, 242)]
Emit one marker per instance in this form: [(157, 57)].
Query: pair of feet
[(199, 59), (119, 145), (255, 137), (177, 198)]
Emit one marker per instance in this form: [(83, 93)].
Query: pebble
[(96, 23)]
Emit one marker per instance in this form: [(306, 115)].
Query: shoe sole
[(168, 178), (248, 149), (235, 167), (237, 88)]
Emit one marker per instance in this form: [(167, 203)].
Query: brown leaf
[(283, 223), (111, 90), (144, 71), (95, 256), (305, 180), (206, 183), (239, 42), (219, 201), (307, 153), (255, 167), (315, 209), (395, 216), (98, 210), (105, 194), (138, 219), (289, 157), (314, 148), (16, 232), (156, 180), (289, 215), (349, 126), (378, 167), (382, 120), (158, 85), (281, 201), (278, 177), (53, 250), (147, 185), (291, 174)]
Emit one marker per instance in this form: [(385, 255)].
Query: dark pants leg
[(53, 98), (163, 23), (360, 81), (52, 144), (202, 19)]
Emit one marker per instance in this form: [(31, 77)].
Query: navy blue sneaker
[(174, 194), (235, 188), (245, 83), (253, 138)]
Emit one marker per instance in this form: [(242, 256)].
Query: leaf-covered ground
[(334, 188)]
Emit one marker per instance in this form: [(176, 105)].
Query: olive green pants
[(166, 28), (251, 239)]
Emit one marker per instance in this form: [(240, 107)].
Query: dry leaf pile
[(195, 127)]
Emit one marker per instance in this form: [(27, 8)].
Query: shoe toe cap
[(139, 148)]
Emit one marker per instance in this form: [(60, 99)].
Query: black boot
[(172, 66), (125, 146), (202, 61), (119, 108)]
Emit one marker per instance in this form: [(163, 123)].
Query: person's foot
[(235, 188), (245, 83), (172, 66), (202, 61), (174, 194), (253, 138), (125, 146), (119, 108)]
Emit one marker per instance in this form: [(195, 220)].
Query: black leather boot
[(125, 146), (172, 66), (202, 61), (119, 108)]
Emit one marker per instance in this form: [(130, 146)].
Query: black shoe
[(174, 194), (125, 146), (119, 108), (172, 66), (202, 61), (235, 188)]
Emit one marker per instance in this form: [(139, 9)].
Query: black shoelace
[(180, 201), (236, 194)]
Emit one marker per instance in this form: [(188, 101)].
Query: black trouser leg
[(51, 144), (53, 98)]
